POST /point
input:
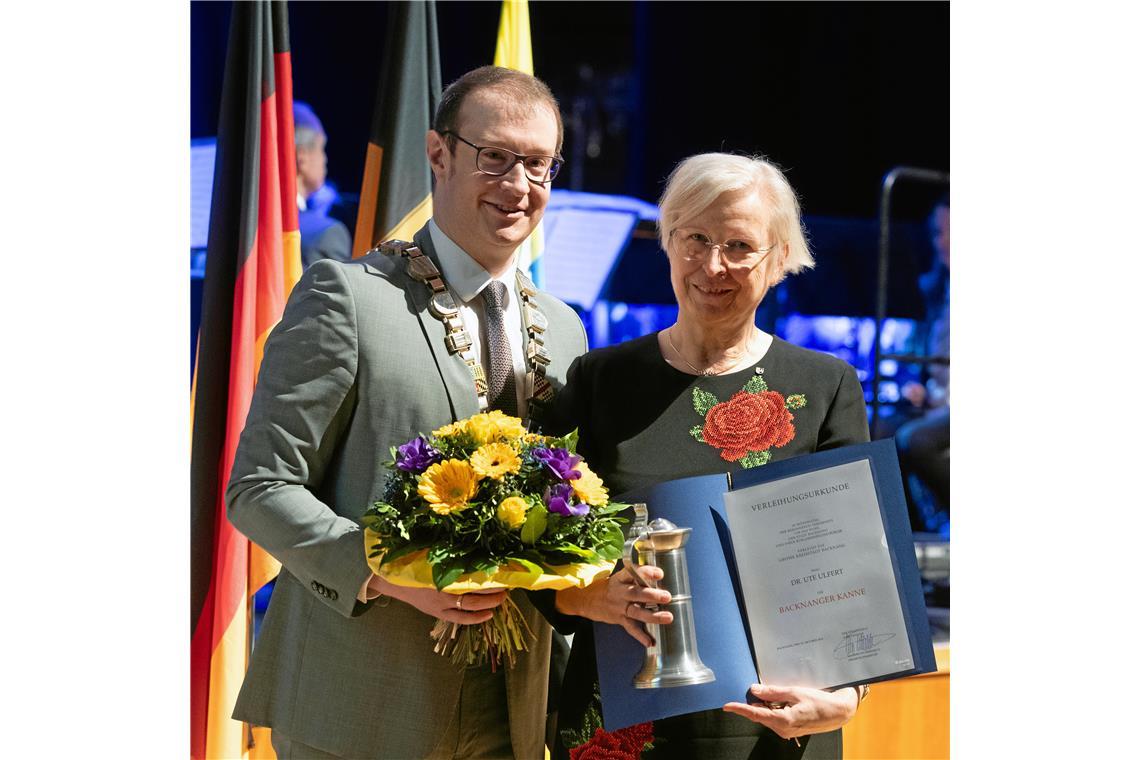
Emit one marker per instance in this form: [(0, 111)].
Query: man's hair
[(697, 182), (517, 90), (306, 126), (303, 137)]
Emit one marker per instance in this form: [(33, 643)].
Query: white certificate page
[(819, 589)]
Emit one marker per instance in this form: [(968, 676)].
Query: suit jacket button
[(333, 594)]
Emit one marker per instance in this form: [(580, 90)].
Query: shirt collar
[(462, 273)]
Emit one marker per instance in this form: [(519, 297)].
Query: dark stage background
[(836, 93)]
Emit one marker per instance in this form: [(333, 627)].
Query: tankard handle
[(637, 531)]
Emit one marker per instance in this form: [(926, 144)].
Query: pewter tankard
[(673, 660)]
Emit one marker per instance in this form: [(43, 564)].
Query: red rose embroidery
[(748, 422), (623, 744)]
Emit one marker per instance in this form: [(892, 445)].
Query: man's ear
[(437, 153)]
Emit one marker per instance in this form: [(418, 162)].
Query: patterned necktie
[(501, 378)]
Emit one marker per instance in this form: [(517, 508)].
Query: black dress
[(641, 422)]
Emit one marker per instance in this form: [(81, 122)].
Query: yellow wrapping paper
[(413, 570)]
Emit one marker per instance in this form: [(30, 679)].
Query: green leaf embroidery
[(796, 401), (755, 458), (698, 432), (703, 401), (756, 384)]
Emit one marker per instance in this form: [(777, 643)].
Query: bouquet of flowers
[(481, 504)]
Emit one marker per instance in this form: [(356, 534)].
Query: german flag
[(395, 196), (513, 51), (253, 260)]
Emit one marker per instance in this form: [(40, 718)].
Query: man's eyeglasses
[(499, 161), (693, 245)]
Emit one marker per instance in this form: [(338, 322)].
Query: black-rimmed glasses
[(499, 161)]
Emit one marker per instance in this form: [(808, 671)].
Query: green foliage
[(796, 401), (446, 573), (534, 526), (533, 568), (612, 542), (698, 432), (568, 442)]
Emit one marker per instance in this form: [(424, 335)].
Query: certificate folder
[(784, 546)]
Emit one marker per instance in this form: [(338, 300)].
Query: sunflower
[(589, 487), (447, 486), (494, 460), (512, 511)]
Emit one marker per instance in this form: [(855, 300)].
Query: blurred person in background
[(924, 443), (322, 236)]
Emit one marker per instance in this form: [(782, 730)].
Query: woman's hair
[(697, 182)]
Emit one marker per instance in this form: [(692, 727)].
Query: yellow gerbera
[(589, 487), (447, 486), (494, 460), (510, 428), (455, 428), (494, 426), (512, 511)]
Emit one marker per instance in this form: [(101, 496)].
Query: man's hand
[(618, 600), (465, 609)]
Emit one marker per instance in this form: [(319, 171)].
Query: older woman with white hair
[(711, 393)]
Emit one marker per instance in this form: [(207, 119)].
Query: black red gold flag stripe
[(395, 196), (252, 262)]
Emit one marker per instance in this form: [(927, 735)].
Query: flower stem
[(503, 636)]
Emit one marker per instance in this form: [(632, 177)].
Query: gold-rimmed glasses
[(694, 245)]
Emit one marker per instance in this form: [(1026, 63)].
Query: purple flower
[(416, 455), (559, 462), (557, 499)]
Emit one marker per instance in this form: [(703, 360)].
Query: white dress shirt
[(466, 279)]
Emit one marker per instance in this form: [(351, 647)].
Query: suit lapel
[(452, 369)]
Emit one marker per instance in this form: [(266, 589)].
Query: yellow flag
[(512, 51)]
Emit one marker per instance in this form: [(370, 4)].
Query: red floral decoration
[(748, 422), (623, 744)]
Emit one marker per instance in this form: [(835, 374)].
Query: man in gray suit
[(363, 360)]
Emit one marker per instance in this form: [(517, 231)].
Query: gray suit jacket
[(356, 366)]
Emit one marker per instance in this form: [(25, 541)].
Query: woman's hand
[(618, 600), (465, 609), (803, 711)]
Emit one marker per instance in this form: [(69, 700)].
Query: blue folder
[(723, 640)]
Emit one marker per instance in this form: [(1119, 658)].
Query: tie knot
[(495, 295)]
